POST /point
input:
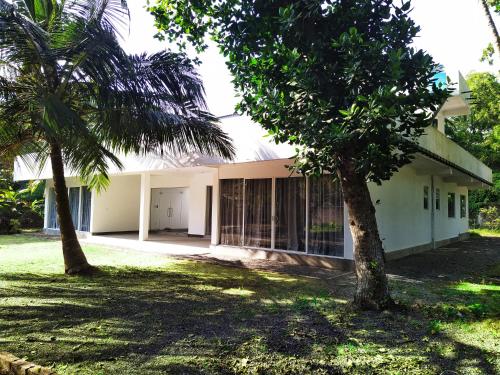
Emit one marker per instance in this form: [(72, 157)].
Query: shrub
[(490, 218)]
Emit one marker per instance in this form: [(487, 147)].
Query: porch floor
[(158, 242)]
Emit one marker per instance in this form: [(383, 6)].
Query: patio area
[(167, 243)]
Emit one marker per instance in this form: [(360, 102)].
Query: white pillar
[(145, 206)]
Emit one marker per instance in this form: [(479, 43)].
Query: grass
[(148, 314), (482, 232)]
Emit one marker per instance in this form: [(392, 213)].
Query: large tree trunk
[(492, 24), (74, 258), (372, 291)]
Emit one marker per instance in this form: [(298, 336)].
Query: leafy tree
[(70, 93), (489, 51), (480, 135), (338, 79)]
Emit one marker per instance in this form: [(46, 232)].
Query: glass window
[(451, 204), (52, 221), (231, 215), (438, 199), (426, 197), (258, 201), (290, 214), (85, 209), (74, 204), (326, 217), (463, 206), (208, 211)]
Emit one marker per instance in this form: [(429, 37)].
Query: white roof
[(249, 139)]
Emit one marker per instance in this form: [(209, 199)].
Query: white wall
[(450, 227), (116, 209), (402, 220)]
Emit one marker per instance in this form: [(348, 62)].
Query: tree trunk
[(74, 258), (372, 290), (492, 24)]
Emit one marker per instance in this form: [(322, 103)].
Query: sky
[(454, 32)]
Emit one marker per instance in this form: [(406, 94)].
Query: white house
[(254, 206)]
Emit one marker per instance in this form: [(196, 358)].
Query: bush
[(490, 218)]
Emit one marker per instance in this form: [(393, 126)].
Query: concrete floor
[(159, 242)]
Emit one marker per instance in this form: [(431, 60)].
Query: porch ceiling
[(425, 165)]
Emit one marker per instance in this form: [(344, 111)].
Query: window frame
[(463, 206), (452, 212), (426, 197)]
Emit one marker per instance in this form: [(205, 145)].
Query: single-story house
[(255, 205)]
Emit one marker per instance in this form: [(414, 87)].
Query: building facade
[(255, 205)]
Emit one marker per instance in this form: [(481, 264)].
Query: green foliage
[(480, 135), (21, 204), (66, 81), (337, 79), (490, 218), (480, 132)]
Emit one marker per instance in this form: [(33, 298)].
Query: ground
[(150, 314)]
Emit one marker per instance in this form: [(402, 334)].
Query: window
[(74, 205), (438, 199), (426, 197), (52, 221), (231, 205), (451, 204), (290, 214), (463, 206), (258, 200), (85, 210), (79, 204), (208, 210), (326, 217), (308, 214)]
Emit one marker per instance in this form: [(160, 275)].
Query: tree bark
[(492, 24), (74, 259), (372, 290)]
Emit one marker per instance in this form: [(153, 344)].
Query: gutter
[(444, 161)]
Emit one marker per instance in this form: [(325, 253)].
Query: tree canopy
[(338, 79)]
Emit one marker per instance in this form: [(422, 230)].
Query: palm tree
[(491, 22), (69, 93)]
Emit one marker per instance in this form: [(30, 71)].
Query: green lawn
[(485, 232), (148, 314)]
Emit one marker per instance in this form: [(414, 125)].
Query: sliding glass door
[(231, 218), (326, 217), (85, 210), (258, 200), (290, 222), (74, 204), (79, 204), (52, 210), (308, 214)]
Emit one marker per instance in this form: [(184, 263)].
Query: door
[(169, 209)]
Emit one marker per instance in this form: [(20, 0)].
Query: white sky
[(454, 32)]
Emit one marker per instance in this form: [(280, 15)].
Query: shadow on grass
[(194, 317), (198, 318)]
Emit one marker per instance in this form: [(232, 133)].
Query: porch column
[(145, 207)]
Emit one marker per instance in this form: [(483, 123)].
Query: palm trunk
[(372, 291), (492, 24), (74, 258)]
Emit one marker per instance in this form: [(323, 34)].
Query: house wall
[(403, 222), (116, 209)]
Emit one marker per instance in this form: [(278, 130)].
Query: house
[(255, 206)]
